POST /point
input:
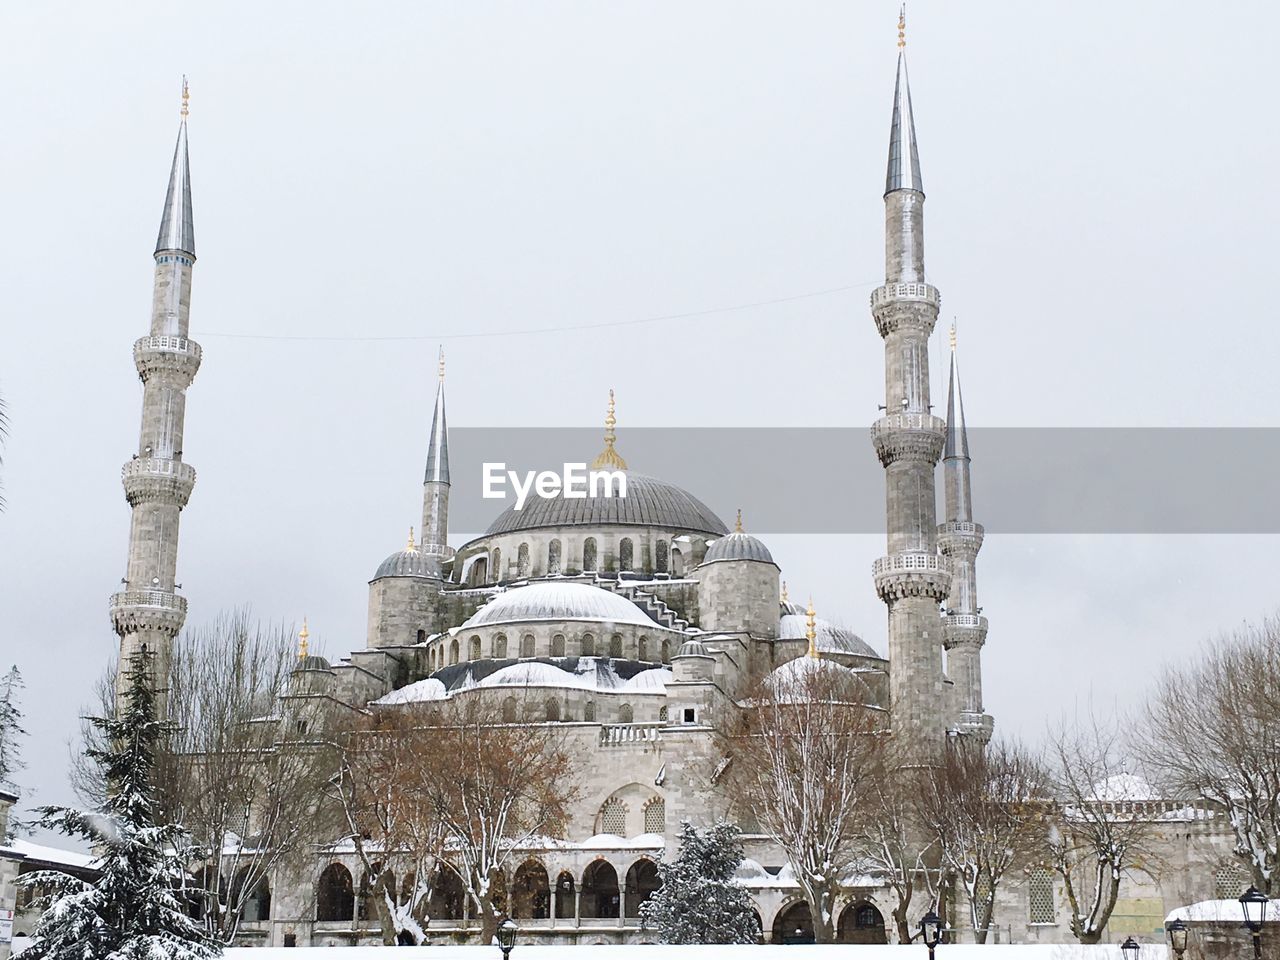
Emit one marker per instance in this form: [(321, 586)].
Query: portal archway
[(794, 924), (861, 922), (600, 896)]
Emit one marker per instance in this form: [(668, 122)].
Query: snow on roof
[(421, 692), (36, 851), (1219, 911), (534, 673), (654, 680), (611, 841), (1124, 787), (829, 637), (551, 600)]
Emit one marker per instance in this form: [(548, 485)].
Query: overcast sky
[(1101, 219)]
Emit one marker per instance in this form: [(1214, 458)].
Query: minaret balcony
[(157, 479), (905, 304), (964, 629), (909, 436), (957, 537), (977, 725), (898, 292), (135, 611), (903, 575), (178, 357)]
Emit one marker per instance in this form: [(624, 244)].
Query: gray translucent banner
[(828, 480)]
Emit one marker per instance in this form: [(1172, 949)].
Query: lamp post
[(1177, 931), (506, 937), (931, 931), (1130, 948), (1254, 904)]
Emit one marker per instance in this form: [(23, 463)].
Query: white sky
[(1100, 217)]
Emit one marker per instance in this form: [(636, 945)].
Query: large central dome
[(649, 502)]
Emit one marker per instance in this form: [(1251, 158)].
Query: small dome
[(406, 563), (313, 662), (693, 648), (558, 601), (738, 546), (829, 639)]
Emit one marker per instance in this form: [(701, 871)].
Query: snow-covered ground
[(772, 952)]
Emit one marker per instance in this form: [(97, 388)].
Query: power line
[(561, 329)]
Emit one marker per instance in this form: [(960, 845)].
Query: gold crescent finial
[(411, 545), (609, 458), (442, 364), (186, 98), (303, 636), (811, 629), (737, 526), (902, 26), (953, 336)]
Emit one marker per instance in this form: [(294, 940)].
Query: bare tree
[(384, 786), (805, 766), (895, 846), (986, 807), (1212, 734), (495, 787), (1099, 823)]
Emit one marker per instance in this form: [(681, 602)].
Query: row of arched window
[(665, 560), (553, 711), (531, 896), (614, 816), (501, 648)]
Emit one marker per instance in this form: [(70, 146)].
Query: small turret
[(738, 586)]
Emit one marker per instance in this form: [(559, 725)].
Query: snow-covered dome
[(421, 692), (558, 601), (796, 672), (410, 562), (829, 639), (738, 546)]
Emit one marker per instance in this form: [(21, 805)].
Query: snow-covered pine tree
[(699, 902), (11, 731), (134, 910)]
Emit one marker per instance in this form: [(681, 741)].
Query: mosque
[(636, 622)]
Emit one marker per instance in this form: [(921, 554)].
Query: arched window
[(497, 565), (557, 645), (600, 891), (615, 646), (626, 554), (453, 651), (531, 893), (553, 558), (335, 897), (526, 645), (553, 709), (643, 653), (589, 711), (662, 713), (422, 636), (655, 816), (677, 563), (589, 554), (613, 817), (500, 646), (642, 881), (1229, 879), (473, 651), (1040, 896), (588, 645), (861, 922), (509, 710), (660, 556), (257, 906), (664, 651), (625, 713), (522, 561), (479, 572)]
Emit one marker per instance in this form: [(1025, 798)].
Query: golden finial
[(953, 336), (737, 526), (811, 629), (902, 26), (785, 598), (609, 457), (411, 545), (303, 635), (186, 98), (442, 364)]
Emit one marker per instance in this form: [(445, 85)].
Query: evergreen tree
[(11, 730), (133, 911), (699, 902)]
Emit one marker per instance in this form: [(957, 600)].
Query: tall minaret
[(960, 539), (913, 578), (435, 484), (148, 613)]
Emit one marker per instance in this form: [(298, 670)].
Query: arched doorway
[(793, 925), (531, 892), (600, 890), (642, 881), (861, 922), (335, 894), (447, 896)]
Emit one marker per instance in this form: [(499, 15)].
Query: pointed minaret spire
[(957, 435), (438, 445), (177, 229), (435, 484), (904, 156)]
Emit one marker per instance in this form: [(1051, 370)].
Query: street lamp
[(931, 931), (1254, 904), (1130, 949), (1177, 931), (506, 937)]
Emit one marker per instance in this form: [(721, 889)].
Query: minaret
[(913, 578), (148, 613), (960, 539), (435, 484)]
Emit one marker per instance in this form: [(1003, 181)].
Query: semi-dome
[(411, 562), (738, 546), (829, 638), (649, 502), (558, 601)]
